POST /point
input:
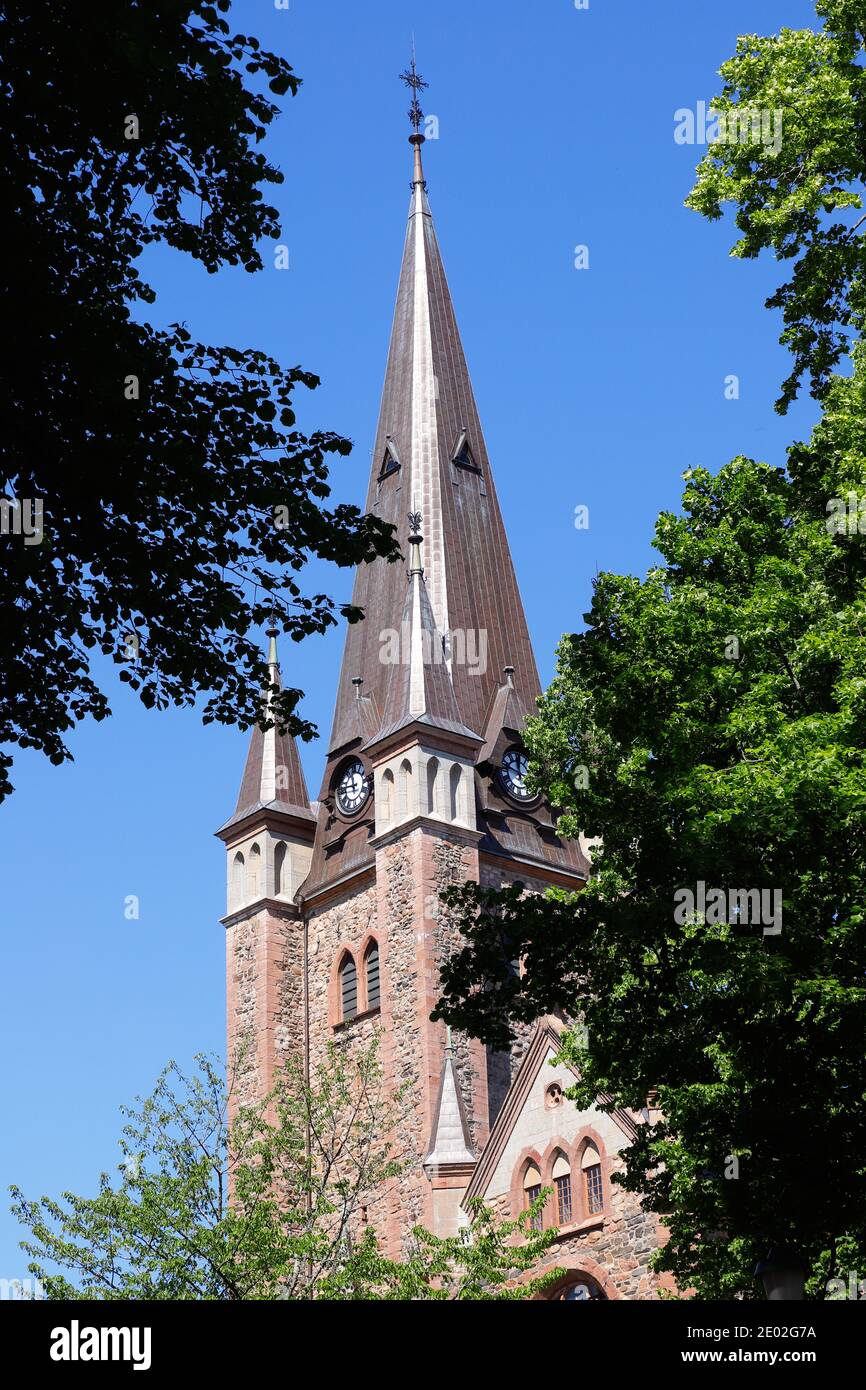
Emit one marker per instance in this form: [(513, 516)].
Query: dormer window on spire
[(462, 456), (463, 459), (390, 461)]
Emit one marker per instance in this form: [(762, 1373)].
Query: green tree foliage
[(270, 1206), (180, 501), (802, 201), (709, 726), (719, 706)]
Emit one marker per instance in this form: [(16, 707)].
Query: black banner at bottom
[(86, 1340)]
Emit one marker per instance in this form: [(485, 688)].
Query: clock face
[(512, 774), (352, 788)]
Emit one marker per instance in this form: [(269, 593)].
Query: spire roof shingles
[(419, 688), (428, 404)]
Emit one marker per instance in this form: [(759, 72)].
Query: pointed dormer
[(517, 824), (270, 834), (504, 720)]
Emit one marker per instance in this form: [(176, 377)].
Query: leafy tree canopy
[(719, 710), (801, 200), (179, 502), (272, 1205), (707, 730)]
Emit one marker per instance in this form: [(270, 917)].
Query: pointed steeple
[(450, 1141), (273, 778), (419, 688), (430, 457)]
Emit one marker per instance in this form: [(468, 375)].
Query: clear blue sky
[(596, 387)]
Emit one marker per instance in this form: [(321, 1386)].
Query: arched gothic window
[(281, 878), (238, 880), (371, 969), (531, 1189), (405, 804), (386, 800), (562, 1190), (348, 988), (580, 1288), (254, 872), (454, 789), (593, 1185)]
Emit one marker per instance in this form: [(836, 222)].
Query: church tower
[(268, 842), (424, 777)]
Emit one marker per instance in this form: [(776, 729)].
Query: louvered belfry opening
[(371, 964), (348, 988)]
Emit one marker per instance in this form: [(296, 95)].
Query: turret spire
[(273, 777), (273, 662), (415, 540)]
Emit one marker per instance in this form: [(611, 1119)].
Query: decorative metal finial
[(416, 84), (272, 632), (415, 539)]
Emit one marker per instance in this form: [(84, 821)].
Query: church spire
[(273, 777), (430, 458)]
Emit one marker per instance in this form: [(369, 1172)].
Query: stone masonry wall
[(400, 900), (506, 1066), (452, 864), (264, 960), (615, 1253)]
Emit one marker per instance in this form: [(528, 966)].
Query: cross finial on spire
[(415, 82)]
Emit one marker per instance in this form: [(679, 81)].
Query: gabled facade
[(542, 1141), (423, 784)]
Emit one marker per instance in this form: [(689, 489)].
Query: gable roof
[(547, 1036)]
